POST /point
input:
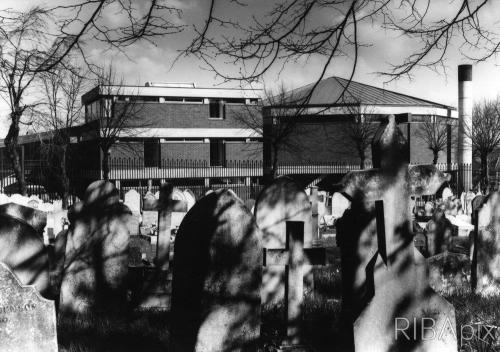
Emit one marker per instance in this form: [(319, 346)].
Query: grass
[(148, 330)]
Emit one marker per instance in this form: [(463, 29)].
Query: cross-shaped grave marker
[(292, 257), (388, 279), (165, 206)]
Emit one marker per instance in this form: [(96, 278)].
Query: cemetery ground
[(148, 329)]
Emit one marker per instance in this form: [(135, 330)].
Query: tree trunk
[(105, 163), (435, 156), (11, 145), (64, 178), (484, 169)]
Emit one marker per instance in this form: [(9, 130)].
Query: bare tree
[(60, 112), (434, 133), (484, 132), (30, 47), (278, 122), (360, 128), (116, 119), (290, 31)]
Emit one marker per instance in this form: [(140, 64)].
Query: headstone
[(27, 321), (487, 248), (278, 203), (149, 211), (449, 273), (294, 257), (383, 275), (429, 208), (96, 260), (439, 231), (132, 200), (447, 193), (21, 244), (19, 199), (190, 198), (217, 277), (4, 199)]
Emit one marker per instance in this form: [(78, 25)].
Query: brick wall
[(186, 115), (244, 151), (190, 151)]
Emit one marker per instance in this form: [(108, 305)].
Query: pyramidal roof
[(330, 91)]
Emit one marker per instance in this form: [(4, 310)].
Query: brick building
[(321, 130)]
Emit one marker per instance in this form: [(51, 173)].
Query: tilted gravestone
[(132, 200), (486, 250), (217, 277), (21, 244), (27, 321), (96, 259), (385, 287)]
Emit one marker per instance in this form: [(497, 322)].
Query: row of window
[(217, 107)]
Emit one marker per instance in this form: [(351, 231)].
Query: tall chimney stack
[(465, 122)]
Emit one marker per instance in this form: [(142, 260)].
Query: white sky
[(147, 62)]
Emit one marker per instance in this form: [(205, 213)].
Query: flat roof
[(180, 92)]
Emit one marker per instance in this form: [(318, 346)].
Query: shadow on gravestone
[(278, 203), (21, 245), (439, 231), (217, 277), (27, 321), (384, 277), (96, 259), (486, 252)]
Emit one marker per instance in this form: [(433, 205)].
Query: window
[(217, 109), (152, 155), (217, 152)]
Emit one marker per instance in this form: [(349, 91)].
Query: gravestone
[(190, 198), (449, 272), (278, 203), (27, 321), (149, 212), (19, 199), (133, 202), (294, 257), (96, 259), (4, 199), (439, 232), (217, 277), (486, 250), (447, 193), (383, 275), (21, 244)]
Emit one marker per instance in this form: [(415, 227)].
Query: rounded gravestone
[(96, 259), (217, 277), (190, 198), (21, 244)]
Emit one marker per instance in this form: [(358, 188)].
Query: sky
[(145, 61)]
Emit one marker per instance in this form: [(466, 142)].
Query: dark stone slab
[(217, 277)]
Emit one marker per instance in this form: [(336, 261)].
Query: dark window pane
[(151, 153), (217, 152)]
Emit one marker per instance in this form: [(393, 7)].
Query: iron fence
[(242, 176)]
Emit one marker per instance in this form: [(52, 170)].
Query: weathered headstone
[(295, 258), (190, 198), (384, 276), (449, 272), (21, 244), (439, 231), (4, 199), (217, 277), (27, 321), (132, 200), (487, 247), (19, 199), (96, 260), (447, 193), (278, 203), (149, 212)]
